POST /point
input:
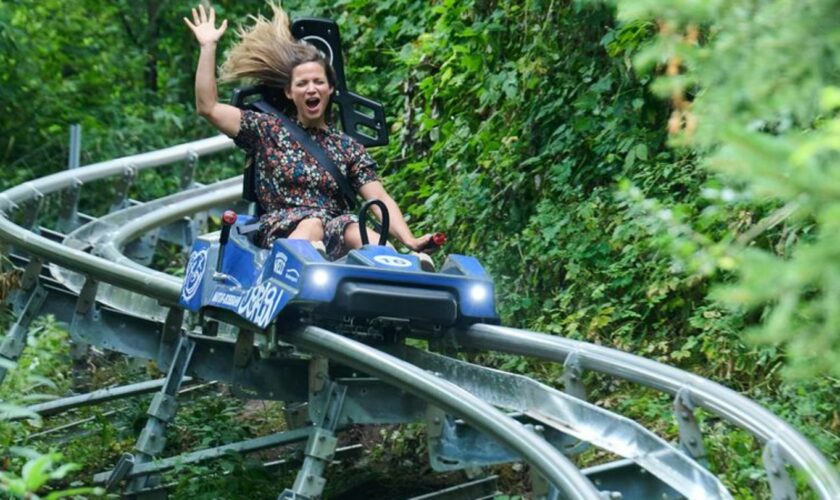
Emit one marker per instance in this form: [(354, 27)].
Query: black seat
[(361, 118)]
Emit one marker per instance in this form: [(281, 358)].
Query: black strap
[(305, 140)]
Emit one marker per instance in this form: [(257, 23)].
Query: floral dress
[(292, 186)]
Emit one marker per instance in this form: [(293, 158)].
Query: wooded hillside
[(655, 176)]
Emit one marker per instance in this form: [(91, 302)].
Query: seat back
[(361, 118)]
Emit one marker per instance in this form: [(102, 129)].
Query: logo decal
[(195, 271), (390, 260), (258, 304), (292, 275), (225, 299), (280, 263)]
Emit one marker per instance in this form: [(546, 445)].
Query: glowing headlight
[(478, 293), (320, 277)]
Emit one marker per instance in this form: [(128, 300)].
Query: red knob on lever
[(437, 240), (228, 219)]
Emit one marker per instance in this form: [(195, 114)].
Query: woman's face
[(310, 91)]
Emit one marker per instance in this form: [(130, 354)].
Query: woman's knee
[(309, 229), (353, 238)]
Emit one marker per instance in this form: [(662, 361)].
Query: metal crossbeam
[(247, 446), (98, 397)]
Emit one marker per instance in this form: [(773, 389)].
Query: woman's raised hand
[(204, 26)]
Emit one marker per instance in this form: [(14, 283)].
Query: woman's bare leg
[(353, 239), (311, 229)]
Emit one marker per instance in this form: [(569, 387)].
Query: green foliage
[(123, 70), (768, 133), (24, 382), (43, 366), (534, 133), (39, 470)]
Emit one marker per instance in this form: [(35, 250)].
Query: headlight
[(479, 293), (320, 277)]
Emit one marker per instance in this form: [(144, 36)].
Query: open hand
[(204, 26)]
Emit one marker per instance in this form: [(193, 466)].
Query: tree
[(754, 88)]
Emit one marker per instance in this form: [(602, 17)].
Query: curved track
[(88, 260)]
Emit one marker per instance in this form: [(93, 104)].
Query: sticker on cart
[(292, 275), (392, 261), (280, 263), (259, 303), (195, 272)]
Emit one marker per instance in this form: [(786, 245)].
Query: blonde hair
[(267, 52)]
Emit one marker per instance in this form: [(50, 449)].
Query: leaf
[(63, 470), (630, 159), (14, 412), (73, 492), (36, 472), (830, 98), (7, 364)]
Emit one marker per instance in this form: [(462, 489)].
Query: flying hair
[(267, 52)]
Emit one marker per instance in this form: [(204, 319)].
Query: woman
[(300, 198)]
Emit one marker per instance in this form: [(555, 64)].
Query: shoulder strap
[(314, 149)]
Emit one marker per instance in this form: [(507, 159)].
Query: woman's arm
[(224, 117), (398, 227)]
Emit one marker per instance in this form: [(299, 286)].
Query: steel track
[(94, 251)]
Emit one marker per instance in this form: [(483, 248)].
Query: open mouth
[(312, 103)]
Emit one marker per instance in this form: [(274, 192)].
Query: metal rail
[(572, 416), (98, 268), (553, 465), (109, 234), (724, 402), (729, 405), (704, 393)]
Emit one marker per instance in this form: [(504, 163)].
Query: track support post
[(68, 217), (15, 340), (19, 298), (244, 348), (322, 443), (198, 223), (445, 344), (573, 377), (691, 439), (781, 486), (435, 423), (188, 171), (161, 411), (122, 187), (30, 212), (171, 332), (85, 307)]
